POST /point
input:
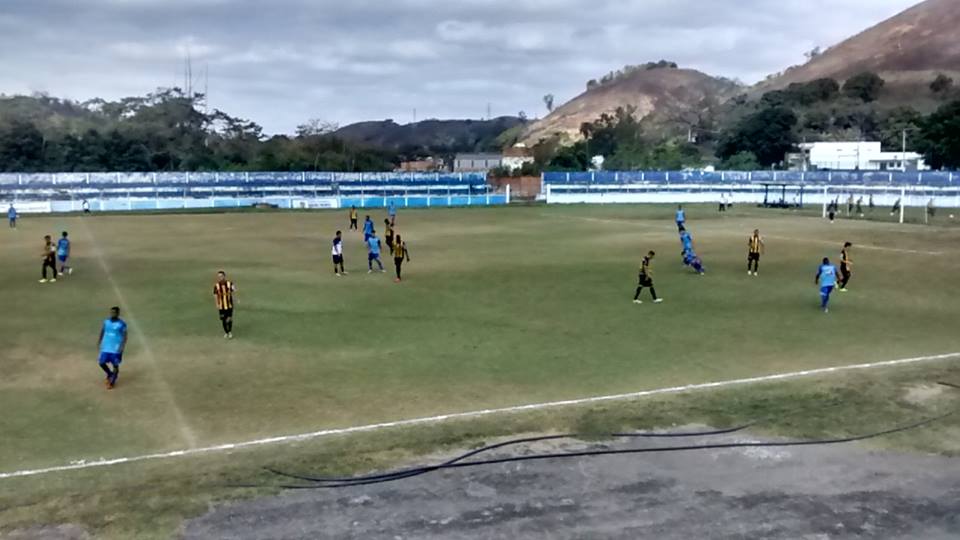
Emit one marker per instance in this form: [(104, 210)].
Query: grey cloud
[(284, 61)]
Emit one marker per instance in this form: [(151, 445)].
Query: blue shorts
[(63, 258), (111, 358), (373, 256), (826, 290)]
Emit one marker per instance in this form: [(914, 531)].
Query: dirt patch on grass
[(922, 393), (835, 492)]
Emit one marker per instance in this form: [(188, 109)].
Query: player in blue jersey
[(113, 340), (12, 216), (827, 280), (392, 212), (686, 240), (373, 253), (368, 229), (63, 254), (691, 259), (681, 219)]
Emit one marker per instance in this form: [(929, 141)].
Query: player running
[(49, 260), (368, 229), (223, 291), (112, 342), (681, 218), (12, 216), (400, 252), (373, 253), (826, 279), (389, 234), (337, 252), (846, 266), (63, 254), (646, 280), (353, 218), (756, 247)]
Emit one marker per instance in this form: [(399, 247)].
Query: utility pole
[(903, 162), (488, 111)]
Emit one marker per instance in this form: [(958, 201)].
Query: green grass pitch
[(501, 306)]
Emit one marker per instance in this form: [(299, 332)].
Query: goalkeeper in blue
[(827, 280)]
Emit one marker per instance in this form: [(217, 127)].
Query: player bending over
[(337, 252), (846, 266), (826, 279), (756, 247), (223, 291), (49, 260), (646, 280), (63, 254), (112, 342), (373, 253), (691, 259), (400, 252)]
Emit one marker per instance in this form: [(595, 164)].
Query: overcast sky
[(280, 62)]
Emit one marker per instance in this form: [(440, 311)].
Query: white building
[(516, 156), (849, 156)]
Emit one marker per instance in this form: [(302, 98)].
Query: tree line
[(166, 130)]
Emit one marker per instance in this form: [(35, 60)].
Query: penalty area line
[(76, 465)]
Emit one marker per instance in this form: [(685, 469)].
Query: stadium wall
[(117, 192), (606, 187)]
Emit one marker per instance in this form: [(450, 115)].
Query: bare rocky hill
[(908, 49), (661, 91)]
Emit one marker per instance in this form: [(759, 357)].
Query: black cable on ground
[(416, 471), (951, 385), (586, 453)]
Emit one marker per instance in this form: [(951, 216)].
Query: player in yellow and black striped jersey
[(846, 266), (353, 218), (223, 291), (755, 247), (389, 233), (645, 279), (400, 253)]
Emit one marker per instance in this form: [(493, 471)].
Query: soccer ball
[(951, 216)]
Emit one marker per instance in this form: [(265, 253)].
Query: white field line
[(147, 352), (855, 246), (473, 414)]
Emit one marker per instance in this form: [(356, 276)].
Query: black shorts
[(845, 269), (645, 281), (338, 259), (753, 257), (226, 313)]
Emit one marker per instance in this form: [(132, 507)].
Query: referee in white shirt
[(337, 252)]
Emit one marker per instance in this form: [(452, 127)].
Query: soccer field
[(500, 307)]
